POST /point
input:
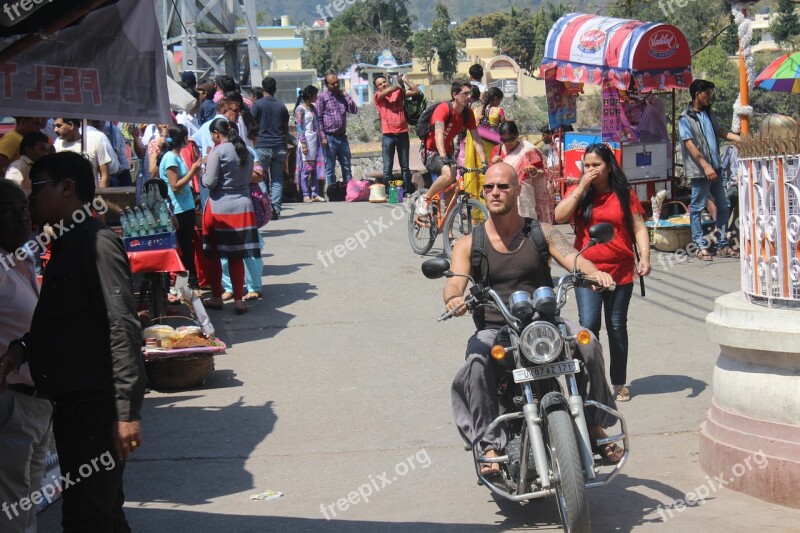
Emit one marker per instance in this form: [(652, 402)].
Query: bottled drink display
[(150, 217)]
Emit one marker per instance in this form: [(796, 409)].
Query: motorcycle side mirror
[(436, 268), (601, 233)]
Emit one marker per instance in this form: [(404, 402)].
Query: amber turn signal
[(498, 352), (584, 337)]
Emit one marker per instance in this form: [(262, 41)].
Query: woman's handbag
[(261, 204)]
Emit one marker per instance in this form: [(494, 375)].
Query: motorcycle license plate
[(546, 371)]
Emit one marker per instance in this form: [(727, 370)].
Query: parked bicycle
[(453, 219)]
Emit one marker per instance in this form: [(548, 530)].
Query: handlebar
[(480, 295), (467, 170), (473, 300), (449, 314), (578, 279), (587, 280)]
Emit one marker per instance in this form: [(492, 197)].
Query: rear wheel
[(565, 462), (421, 231), (461, 220)]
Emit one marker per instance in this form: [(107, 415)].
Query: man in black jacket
[(84, 346)]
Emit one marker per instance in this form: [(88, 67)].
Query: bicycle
[(454, 220)]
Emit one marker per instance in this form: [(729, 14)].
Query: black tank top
[(521, 270)]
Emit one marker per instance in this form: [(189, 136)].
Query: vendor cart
[(631, 61)]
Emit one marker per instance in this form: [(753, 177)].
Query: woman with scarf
[(310, 139), (229, 221), (527, 160)]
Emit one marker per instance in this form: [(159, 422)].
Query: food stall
[(64, 59), (631, 61)]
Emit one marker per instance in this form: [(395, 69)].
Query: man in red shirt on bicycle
[(436, 152)]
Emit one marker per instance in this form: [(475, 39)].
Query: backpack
[(414, 107), (424, 122), (479, 257)]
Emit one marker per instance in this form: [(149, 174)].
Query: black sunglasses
[(489, 187)]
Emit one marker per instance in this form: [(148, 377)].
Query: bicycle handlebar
[(467, 170)]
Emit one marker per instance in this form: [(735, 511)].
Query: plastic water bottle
[(164, 220), (132, 222), (123, 221), (141, 222), (147, 197), (150, 220)]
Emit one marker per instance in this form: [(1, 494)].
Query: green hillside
[(305, 11)]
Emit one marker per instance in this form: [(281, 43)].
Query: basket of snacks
[(179, 356), (671, 234)]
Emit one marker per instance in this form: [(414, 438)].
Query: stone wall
[(369, 165), (365, 165)]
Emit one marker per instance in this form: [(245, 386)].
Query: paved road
[(339, 380)]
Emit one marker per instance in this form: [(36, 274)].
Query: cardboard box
[(157, 241)]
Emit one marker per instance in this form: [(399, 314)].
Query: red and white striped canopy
[(590, 49)]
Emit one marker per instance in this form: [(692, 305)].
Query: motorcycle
[(549, 450)]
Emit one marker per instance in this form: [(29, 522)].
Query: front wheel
[(460, 222), (421, 230), (565, 462)]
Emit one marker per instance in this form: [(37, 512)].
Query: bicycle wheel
[(421, 231), (460, 222)]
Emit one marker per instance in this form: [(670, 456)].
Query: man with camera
[(389, 101)]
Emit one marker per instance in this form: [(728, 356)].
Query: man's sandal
[(703, 255), (611, 453), (490, 469), (728, 252)]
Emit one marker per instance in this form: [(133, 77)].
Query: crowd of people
[(220, 168), (71, 367)]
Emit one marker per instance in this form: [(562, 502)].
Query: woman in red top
[(604, 195)]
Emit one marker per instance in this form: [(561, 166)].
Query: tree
[(524, 37), (425, 49), (785, 28), (714, 64), (481, 26), (319, 56), (698, 25), (445, 43), (517, 39), (363, 31)]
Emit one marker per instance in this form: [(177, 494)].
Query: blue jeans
[(700, 189), (272, 160), (390, 143), (616, 312), (338, 148)]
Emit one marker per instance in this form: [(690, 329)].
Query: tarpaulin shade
[(590, 49), (108, 67), (19, 17)]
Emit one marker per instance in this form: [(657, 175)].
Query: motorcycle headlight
[(541, 342)]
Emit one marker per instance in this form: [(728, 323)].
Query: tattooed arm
[(565, 255)]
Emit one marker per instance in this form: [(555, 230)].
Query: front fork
[(535, 419), (534, 423), (576, 410)]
